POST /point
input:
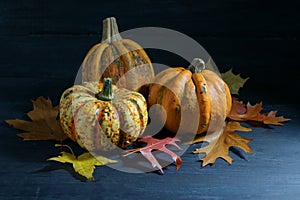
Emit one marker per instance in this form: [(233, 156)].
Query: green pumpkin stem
[(196, 66), (110, 30), (106, 94)]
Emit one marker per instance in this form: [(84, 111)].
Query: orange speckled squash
[(114, 57), (179, 89), (97, 116)]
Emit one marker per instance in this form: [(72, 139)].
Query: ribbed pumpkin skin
[(115, 56), (121, 120), (179, 90)]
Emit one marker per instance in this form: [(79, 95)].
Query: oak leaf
[(236, 126), (220, 142), (157, 144), (270, 118), (242, 112), (234, 82), (44, 124), (83, 164)]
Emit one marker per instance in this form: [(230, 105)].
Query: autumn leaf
[(156, 144), (236, 126), (270, 118), (242, 112), (219, 143), (234, 82), (209, 64), (44, 124), (83, 164)]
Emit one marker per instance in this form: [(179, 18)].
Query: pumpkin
[(114, 57), (195, 89), (100, 116)]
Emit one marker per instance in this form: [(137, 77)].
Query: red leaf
[(156, 144)]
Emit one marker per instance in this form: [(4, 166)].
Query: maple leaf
[(156, 144), (44, 124), (242, 112), (234, 82), (219, 143), (83, 164)]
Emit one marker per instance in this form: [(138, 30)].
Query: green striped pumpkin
[(114, 57), (100, 116)]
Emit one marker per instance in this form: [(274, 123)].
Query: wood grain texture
[(232, 17), (272, 172), (258, 38)]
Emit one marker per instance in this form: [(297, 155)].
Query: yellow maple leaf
[(44, 124), (234, 82), (83, 164), (219, 143)]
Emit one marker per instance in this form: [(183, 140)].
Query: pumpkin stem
[(106, 93), (196, 66), (110, 30)]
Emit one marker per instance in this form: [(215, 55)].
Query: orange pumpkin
[(181, 90), (96, 116), (114, 57)]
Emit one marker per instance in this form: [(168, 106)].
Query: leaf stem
[(67, 146)]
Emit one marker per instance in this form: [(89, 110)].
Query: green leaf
[(234, 82)]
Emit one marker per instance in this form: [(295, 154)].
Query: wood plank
[(272, 172), (219, 18), (271, 64), (55, 55)]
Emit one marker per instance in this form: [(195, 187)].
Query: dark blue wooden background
[(44, 42)]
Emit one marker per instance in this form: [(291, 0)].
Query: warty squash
[(100, 116)]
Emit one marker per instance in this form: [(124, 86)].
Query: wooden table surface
[(44, 42), (271, 172)]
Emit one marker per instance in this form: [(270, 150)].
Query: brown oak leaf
[(242, 112), (157, 144), (44, 124), (220, 142)]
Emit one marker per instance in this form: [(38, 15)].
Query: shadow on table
[(61, 166)]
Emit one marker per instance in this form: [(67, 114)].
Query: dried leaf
[(241, 112), (234, 82), (270, 118), (236, 126), (219, 144), (209, 64), (248, 113), (44, 124), (156, 144), (83, 164)]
